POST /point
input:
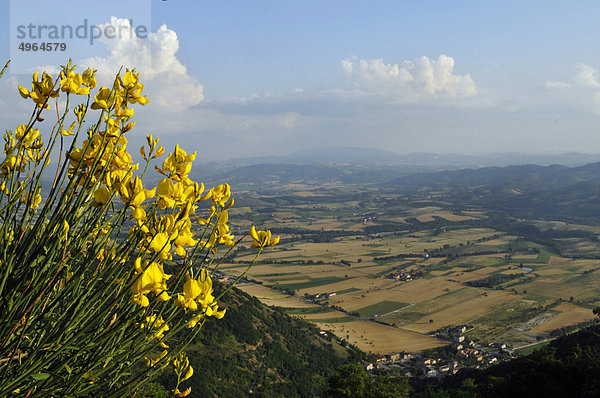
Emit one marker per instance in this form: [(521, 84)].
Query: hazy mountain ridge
[(372, 156), (530, 191), (364, 166), (527, 178)]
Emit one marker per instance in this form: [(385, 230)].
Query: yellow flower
[(71, 84), (159, 243), (102, 195), (194, 321), (184, 393), (188, 374), (152, 280), (152, 362), (130, 79), (152, 145), (132, 88), (171, 195), (178, 164), (89, 78), (262, 238), (104, 99), (33, 199), (221, 194), (191, 289), (41, 91), (79, 112), (198, 292), (139, 215), (158, 325), (22, 133), (23, 92), (220, 314), (132, 192), (69, 131)]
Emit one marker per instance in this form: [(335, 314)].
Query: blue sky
[(236, 78)]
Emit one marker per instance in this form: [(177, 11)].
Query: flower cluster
[(22, 148), (99, 250), (41, 90)]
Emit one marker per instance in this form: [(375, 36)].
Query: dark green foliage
[(353, 381), (494, 280), (349, 381), (153, 390), (383, 386)]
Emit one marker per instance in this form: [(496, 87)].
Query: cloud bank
[(413, 81)]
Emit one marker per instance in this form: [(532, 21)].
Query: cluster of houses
[(466, 354), (488, 352), (400, 276), (413, 365), (479, 354)]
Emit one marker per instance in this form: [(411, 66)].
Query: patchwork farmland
[(387, 272)]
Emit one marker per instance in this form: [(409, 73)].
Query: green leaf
[(40, 376), (68, 369)]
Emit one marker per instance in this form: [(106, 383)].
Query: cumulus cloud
[(166, 78), (585, 76), (412, 81), (581, 89)]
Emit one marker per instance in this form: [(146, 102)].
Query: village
[(458, 355)]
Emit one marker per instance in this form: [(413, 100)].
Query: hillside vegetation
[(261, 350)]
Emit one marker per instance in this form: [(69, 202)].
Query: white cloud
[(51, 69), (586, 76), (581, 89), (166, 78), (413, 81), (557, 84)]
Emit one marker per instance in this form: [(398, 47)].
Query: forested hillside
[(260, 350)]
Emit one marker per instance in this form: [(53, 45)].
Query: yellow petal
[(188, 374)]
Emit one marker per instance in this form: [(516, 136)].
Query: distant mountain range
[(518, 179), (362, 166), (378, 157), (528, 191)]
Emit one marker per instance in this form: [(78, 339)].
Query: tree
[(385, 386), (351, 381)]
